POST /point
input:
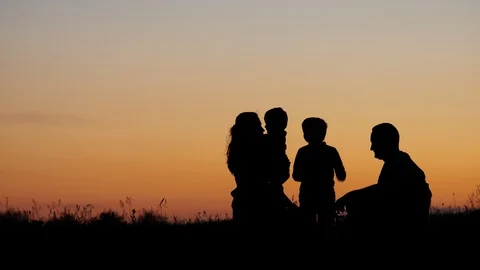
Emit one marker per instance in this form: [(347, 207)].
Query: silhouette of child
[(315, 167), (276, 120)]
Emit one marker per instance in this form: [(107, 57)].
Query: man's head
[(276, 119), (314, 129), (385, 140)]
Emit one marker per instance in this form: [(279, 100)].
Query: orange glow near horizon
[(106, 101)]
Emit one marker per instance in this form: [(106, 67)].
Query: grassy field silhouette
[(77, 227)]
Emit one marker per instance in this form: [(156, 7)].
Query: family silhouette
[(260, 166)]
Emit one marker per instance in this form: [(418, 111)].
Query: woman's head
[(245, 135), (247, 125)]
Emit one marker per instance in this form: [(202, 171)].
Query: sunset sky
[(100, 100)]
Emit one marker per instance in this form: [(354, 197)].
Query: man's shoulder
[(403, 159), (405, 166)]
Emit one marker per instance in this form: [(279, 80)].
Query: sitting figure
[(401, 198)]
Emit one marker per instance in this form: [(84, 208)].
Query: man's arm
[(368, 190), (358, 196), (338, 166)]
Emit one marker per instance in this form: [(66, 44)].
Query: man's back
[(401, 173), (404, 186)]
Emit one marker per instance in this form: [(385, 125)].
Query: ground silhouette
[(65, 228)]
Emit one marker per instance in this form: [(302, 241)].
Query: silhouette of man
[(401, 197)]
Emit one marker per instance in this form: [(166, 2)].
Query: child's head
[(276, 119), (314, 129)]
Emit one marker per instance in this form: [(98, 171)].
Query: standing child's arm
[(298, 173), (338, 166)]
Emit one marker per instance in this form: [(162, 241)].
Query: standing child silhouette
[(315, 167)]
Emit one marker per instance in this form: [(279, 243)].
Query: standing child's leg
[(326, 219), (308, 211), (326, 213)]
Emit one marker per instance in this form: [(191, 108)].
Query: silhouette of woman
[(246, 163)]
